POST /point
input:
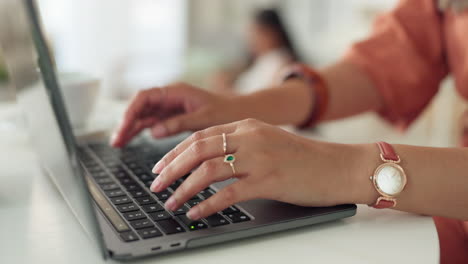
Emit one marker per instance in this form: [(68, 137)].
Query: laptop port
[(155, 248)]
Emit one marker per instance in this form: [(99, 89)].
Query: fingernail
[(159, 131), (171, 204), (156, 185), (194, 213), (156, 169)]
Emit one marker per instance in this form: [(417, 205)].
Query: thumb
[(186, 122)]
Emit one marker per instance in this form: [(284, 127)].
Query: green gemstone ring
[(228, 158)]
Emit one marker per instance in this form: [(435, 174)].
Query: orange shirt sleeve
[(404, 58)]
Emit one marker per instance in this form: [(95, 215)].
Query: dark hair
[(271, 19)]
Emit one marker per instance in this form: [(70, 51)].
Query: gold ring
[(230, 160), (224, 144)]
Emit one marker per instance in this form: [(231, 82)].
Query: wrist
[(343, 172), (363, 164)]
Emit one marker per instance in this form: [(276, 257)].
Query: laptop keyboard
[(120, 186)]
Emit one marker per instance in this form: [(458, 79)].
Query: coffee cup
[(80, 92)]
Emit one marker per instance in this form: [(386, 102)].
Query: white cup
[(79, 92)]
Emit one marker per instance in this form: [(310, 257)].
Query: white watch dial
[(390, 180)]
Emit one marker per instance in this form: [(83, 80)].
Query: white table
[(37, 227)]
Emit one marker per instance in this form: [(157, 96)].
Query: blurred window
[(130, 44)]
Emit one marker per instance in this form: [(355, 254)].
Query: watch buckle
[(389, 161), (388, 199)]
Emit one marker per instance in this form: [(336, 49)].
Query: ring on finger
[(224, 144), (228, 158)]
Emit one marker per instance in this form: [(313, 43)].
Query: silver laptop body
[(32, 72)]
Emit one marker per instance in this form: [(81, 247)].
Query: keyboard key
[(181, 211), (230, 210), (129, 236), (132, 165), (110, 187), (163, 215), (138, 171), (115, 193), (194, 202), (105, 180), (206, 194), (149, 233), (137, 194), (192, 225), (145, 200), (121, 174), (216, 220), (148, 183), (164, 195), (99, 174), (151, 208), (195, 198), (110, 163), (141, 224), (133, 187), (121, 200), (238, 217), (175, 185), (124, 208), (170, 226), (116, 169), (94, 169), (134, 215), (145, 177), (127, 181)]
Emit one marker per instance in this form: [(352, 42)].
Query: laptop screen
[(33, 75)]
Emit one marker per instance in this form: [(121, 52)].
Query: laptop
[(108, 189)]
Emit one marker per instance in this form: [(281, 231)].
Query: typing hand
[(269, 163), (170, 110)]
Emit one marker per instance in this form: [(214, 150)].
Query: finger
[(199, 152), (211, 171), (185, 122), (199, 135), (137, 127), (234, 193), (141, 101)]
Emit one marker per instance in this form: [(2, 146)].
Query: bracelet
[(319, 89)]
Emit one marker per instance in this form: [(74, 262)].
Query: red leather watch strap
[(387, 152), (383, 204)]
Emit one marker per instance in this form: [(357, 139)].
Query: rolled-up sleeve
[(404, 57)]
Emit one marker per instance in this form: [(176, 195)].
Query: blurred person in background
[(395, 72), (270, 49)]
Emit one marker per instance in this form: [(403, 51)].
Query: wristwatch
[(389, 178)]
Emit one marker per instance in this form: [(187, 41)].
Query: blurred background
[(132, 45)]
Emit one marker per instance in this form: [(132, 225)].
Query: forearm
[(289, 103), (437, 179), (350, 92)]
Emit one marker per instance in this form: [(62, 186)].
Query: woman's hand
[(270, 163), (180, 107), (170, 110)]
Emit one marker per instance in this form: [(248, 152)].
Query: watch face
[(390, 179)]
